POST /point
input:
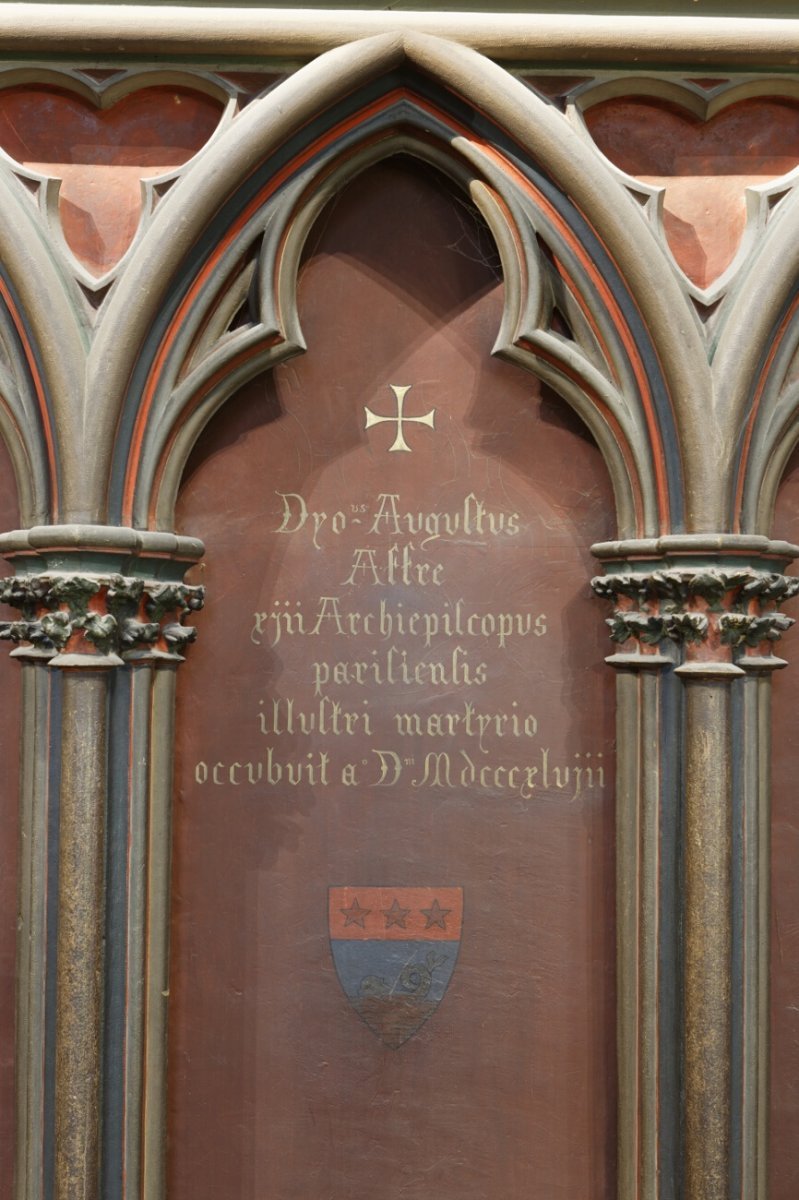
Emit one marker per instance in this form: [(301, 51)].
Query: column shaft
[(707, 939), (81, 926)]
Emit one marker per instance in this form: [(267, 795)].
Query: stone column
[(704, 611), (100, 632)]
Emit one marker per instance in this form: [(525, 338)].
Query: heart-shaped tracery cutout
[(101, 155), (703, 165)]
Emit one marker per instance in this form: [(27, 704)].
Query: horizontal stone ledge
[(302, 33), (709, 669), (695, 545), (639, 661), (756, 663), (113, 548)]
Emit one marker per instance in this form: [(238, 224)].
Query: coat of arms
[(395, 950)]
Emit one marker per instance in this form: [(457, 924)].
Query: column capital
[(94, 596), (716, 599)]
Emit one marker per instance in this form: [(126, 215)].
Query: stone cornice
[(76, 29)]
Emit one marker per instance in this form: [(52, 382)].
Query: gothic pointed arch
[(41, 361), (752, 369), (209, 298)]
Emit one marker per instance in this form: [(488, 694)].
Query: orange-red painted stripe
[(30, 358), (395, 914)]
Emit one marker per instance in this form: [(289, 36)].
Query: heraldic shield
[(395, 950)]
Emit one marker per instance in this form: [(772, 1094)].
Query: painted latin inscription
[(389, 623)]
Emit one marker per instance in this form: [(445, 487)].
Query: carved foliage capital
[(715, 614), (98, 620)]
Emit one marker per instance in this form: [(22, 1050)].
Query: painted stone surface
[(704, 166), (9, 824), (398, 693), (101, 156), (784, 1108)]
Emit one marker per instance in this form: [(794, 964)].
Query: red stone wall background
[(704, 166), (277, 1087)]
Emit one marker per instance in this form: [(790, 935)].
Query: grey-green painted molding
[(704, 8), (530, 36)]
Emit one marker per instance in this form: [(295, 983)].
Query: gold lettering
[(364, 559), (390, 767), (387, 513), (328, 611), (437, 771)]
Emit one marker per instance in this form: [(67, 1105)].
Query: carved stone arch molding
[(752, 365), (629, 368), (42, 358)]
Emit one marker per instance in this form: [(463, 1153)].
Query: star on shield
[(436, 915), (355, 915), (396, 915)]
